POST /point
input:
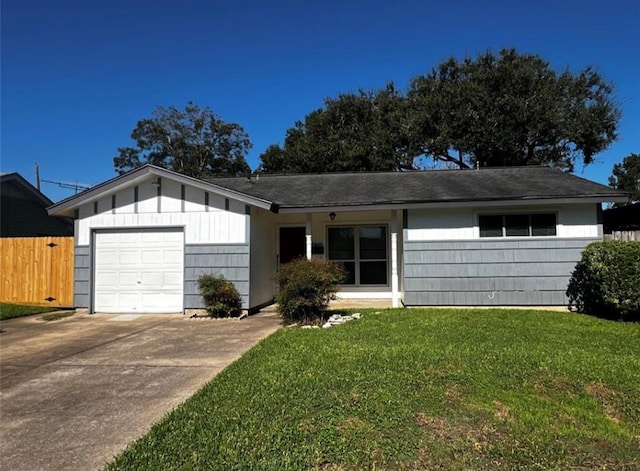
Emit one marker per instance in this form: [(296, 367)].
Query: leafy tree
[(192, 141), (354, 132), (511, 109), (495, 110), (626, 176)]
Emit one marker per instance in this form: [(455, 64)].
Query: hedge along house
[(499, 236)]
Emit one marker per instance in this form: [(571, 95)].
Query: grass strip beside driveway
[(415, 389), (11, 311)]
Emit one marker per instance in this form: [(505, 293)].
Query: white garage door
[(139, 271)]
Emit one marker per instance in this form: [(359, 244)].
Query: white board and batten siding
[(212, 224), (147, 248)]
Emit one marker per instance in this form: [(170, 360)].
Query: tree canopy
[(626, 176), (512, 109), (193, 141), (361, 131), (494, 110)]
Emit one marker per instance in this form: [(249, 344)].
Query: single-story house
[(497, 236), (23, 210)]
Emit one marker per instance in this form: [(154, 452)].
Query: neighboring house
[(499, 236), (622, 218), (23, 210)]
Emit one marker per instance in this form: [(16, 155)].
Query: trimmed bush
[(305, 288), (221, 298), (606, 281)]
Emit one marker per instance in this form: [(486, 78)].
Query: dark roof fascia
[(289, 209), (37, 194), (141, 172)]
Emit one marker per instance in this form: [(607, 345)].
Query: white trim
[(394, 259), (308, 236), (365, 295)]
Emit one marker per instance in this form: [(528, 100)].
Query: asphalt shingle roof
[(435, 186)]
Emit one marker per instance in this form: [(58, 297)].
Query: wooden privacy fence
[(623, 235), (37, 270)]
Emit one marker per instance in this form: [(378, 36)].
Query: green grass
[(11, 311), (416, 389)]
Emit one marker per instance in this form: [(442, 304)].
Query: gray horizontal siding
[(477, 272), (231, 261), (82, 275)]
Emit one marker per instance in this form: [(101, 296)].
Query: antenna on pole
[(71, 186)]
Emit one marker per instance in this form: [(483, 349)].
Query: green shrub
[(305, 288), (606, 281), (221, 298)]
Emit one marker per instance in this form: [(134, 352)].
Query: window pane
[(350, 268), (341, 243), (373, 243), (490, 226), (373, 273), (517, 225), (543, 224)]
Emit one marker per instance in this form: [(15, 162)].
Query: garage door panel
[(128, 257), (110, 257), (151, 256), (127, 237), (128, 280), (152, 278), (139, 271), (173, 256), (152, 237)]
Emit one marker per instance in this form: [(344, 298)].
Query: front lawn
[(416, 389), (10, 311)]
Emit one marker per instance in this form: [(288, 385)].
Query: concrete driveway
[(76, 391)]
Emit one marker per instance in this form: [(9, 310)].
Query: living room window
[(362, 250), (517, 225)]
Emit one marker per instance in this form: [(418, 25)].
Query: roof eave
[(15, 176), (617, 198)]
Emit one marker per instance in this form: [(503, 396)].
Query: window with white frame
[(518, 225), (362, 250)]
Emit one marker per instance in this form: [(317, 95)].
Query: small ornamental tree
[(221, 298), (606, 281), (305, 288)]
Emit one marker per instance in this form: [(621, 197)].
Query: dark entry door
[(292, 243)]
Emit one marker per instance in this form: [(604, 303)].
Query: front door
[(292, 243)]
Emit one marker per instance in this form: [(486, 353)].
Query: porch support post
[(308, 236), (394, 259)]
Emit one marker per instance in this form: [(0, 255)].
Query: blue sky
[(78, 75)]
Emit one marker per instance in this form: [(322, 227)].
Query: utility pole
[(37, 176)]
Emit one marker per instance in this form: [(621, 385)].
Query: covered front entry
[(139, 271), (364, 242)]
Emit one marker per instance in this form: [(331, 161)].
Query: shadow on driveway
[(75, 392)]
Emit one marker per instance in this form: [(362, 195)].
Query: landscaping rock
[(337, 319)]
